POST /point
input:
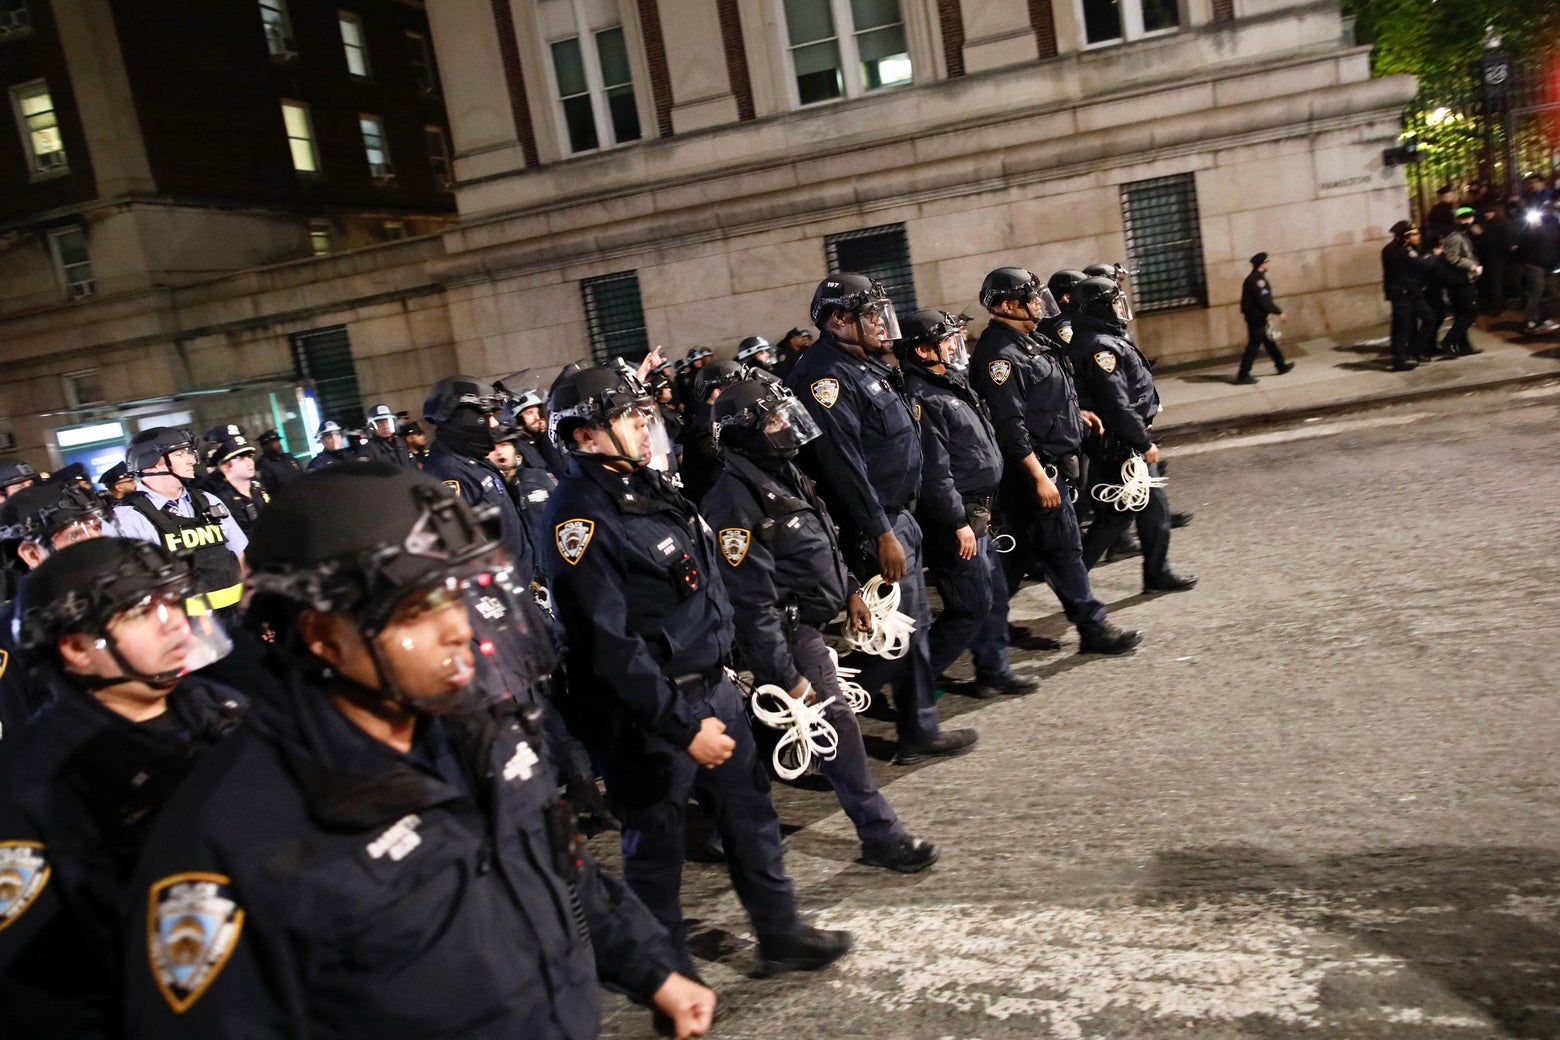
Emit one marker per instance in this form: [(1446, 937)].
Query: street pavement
[(1320, 801)]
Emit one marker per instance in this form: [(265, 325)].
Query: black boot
[(808, 950), (1102, 637)]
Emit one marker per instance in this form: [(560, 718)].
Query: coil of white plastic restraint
[(1133, 491), (804, 732), (856, 696), (889, 634)]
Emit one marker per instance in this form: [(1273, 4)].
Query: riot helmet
[(171, 449), (1061, 285), (600, 396), (382, 421), (868, 304), (137, 602), (1117, 274), (759, 416), (421, 578), (1102, 298), (755, 350), (1020, 286), (453, 392), (331, 436), (939, 330), (717, 375), (37, 521), (14, 475)]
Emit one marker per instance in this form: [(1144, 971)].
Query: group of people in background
[(311, 750)]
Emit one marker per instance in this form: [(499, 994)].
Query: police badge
[(24, 870), (192, 926), (1000, 370), (1106, 360), (1065, 332), (734, 542), (826, 391), (572, 537)]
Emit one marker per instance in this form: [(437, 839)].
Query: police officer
[(103, 624), (648, 632), (337, 446), (383, 443), (1258, 307), (755, 352), (382, 852), (34, 523), (696, 358), (1027, 384), (461, 410), (232, 479), (15, 475), (1114, 381), (117, 481), (699, 464), (537, 462), (960, 477), (277, 469), (163, 510), (1058, 327), (787, 580), (1404, 274), (416, 439), (868, 464), (1460, 270), (791, 347)]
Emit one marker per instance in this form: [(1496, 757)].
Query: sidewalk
[(1341, 374)]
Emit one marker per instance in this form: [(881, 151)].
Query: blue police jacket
[(22, 695), (310, 880), (962, 458), (779, 551), (82, 789), (1114, 380), (868, 460), (630, 568), (1027, 384), (479, 482)]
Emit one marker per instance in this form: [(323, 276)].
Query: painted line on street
[(1299, 433)]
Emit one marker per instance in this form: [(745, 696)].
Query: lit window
[(352, 43), (1114, 21), (374, 147), (881, 252), (591, 74), (615, 316), (827, 63), (40, 129), (278, 30), (15, 18), (421, 60), (300, 137), (438, 156), (71, 260), (319, 238), (1164, 243)]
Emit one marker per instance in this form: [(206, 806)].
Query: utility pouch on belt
[(978, 517)]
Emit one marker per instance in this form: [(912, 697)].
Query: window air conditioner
[(52, 161), (381, 171), (79, 289)]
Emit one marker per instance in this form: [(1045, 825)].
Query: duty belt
[(695, 683)]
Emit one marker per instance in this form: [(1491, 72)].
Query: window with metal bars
[(878, 252), (1164, 243), (325, 356), (615, 316)]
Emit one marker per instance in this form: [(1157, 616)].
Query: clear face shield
[(640, 435), (1122, 305), (467, 640), (954, 350), (1041, 305), (164, 636), (877, 326), (786, 425)]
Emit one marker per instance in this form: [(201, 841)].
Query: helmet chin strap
[(157, 680)]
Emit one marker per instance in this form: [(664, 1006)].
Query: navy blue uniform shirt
[(962, 459), (1027, 384), (1114, 381)]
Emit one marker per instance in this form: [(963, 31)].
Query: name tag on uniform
[(522, 763), (666, 546)]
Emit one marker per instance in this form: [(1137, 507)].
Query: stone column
[(696, 64), (997, 33)]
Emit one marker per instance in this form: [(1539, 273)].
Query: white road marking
[(1301, 434)]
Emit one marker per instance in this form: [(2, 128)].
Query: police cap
[(114, 474)]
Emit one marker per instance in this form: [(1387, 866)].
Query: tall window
[(1113, 21), (374, 147), (420, 58), (615, 316), (278, 30), (844, 48), (352, 43), (1164, 243), (300, 137), (71, 260), (878, 252), (591, 77), (438, 156), (14, 17), (40, 129), (324, 356)]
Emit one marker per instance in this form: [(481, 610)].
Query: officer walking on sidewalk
[(1258, 307)]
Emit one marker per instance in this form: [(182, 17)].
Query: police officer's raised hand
[(891, 557), (711, 746), (690, 1006), (856, 612), (1045, 487), (966, 537)]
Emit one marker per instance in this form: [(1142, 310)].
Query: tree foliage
[(1441, 40)]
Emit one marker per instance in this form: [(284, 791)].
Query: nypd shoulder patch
[(192, 926), (453, 485), (734, 542), (24, 870), (1106, 360), (999, 371), (918, 411), (826, 391), (572, 537), (1065, 332), (5, 659)]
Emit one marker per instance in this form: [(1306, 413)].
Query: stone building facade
[(683, 172)]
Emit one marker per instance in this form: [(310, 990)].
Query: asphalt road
[(1322, 800)]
